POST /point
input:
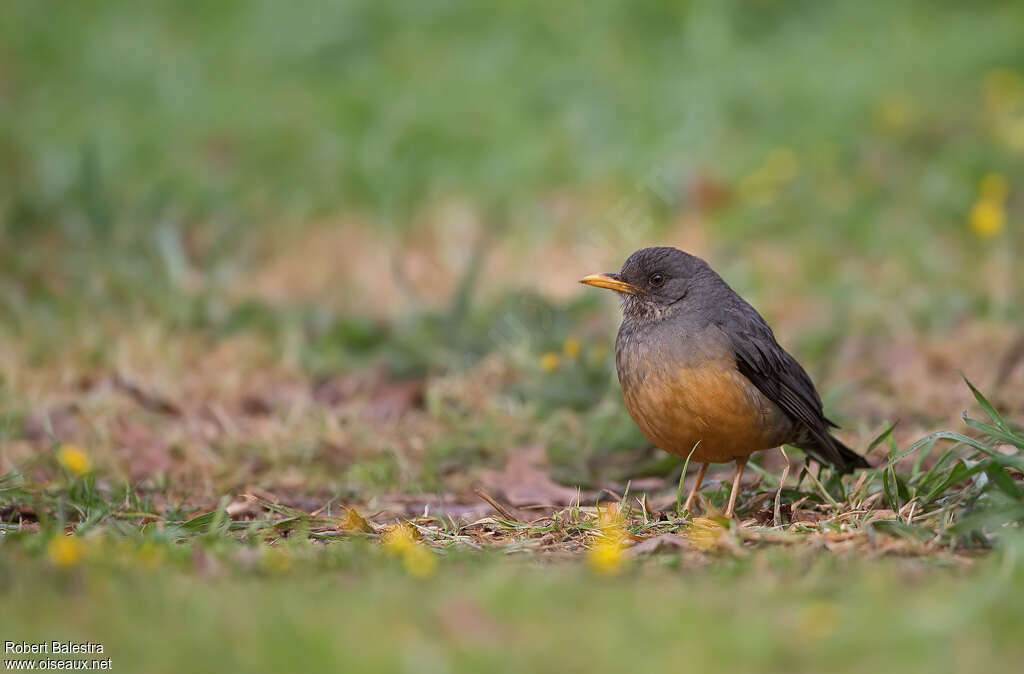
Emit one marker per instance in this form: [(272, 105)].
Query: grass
[(265, 586), (288, 300), (355, 611)]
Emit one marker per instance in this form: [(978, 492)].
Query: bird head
[(652, 281)]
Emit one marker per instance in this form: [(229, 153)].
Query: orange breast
[(711, 404)]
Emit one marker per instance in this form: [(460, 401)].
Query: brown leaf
[(660, 543), (522, 482), (245, 507), (808, 516), (393, 399), (255, 405), (335, 390)]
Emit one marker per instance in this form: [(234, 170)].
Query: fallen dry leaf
[(354, 522), (394, 398), (522, 481), (660, 543)]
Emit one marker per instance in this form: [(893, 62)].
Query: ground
[(295, 371)]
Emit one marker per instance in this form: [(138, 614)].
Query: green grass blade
[(987, 406), (1003, 480)]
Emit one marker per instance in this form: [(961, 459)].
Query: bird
[(702, 374)]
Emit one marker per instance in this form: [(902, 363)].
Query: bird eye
[(656, 279)]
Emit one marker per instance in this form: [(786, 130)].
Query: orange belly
[(711, 407)]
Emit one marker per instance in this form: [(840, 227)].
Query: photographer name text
[(52, 648)]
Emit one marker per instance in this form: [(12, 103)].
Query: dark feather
[(782, 380)]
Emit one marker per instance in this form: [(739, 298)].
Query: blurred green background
[(330, 251), (419, 185), (163, 135)]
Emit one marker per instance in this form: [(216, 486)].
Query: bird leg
[(696, 486), (778, 494), (740, 465)]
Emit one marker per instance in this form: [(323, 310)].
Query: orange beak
[(611, 282)]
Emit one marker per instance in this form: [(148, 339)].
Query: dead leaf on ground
[(247, 506), (334, 391), (394, 398), (811, 516), (256, 405), (523, 482), (352, 521), (660, 543)]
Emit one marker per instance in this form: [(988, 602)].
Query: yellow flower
[(74, 460), (606, 557), (418, 561), (987, 218), (550, 361), (398, 539), (706, 533), (993, 187), (65, 551), (572, 348)]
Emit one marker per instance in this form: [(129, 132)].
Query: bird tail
[(829, 450)]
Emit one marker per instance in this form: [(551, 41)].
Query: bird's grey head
[(654, 282)]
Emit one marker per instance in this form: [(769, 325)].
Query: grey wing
[(778, 376)]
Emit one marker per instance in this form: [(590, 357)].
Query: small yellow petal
[(65, 551), (399, 539), (987, 218), (606, 557), (572, 348), (550, 361), (706, 533), (74, 459), (419, 562)]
